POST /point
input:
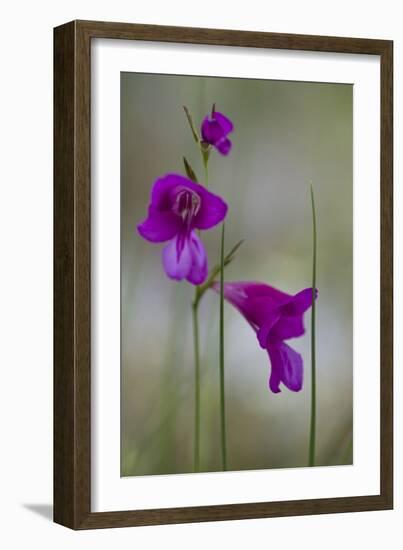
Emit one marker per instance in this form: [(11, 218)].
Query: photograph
[(236, 274), (200, 320)]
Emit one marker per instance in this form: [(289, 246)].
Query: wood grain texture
[(219, 37), (72, 291), (386, 281), (72, 274), (64, 382)]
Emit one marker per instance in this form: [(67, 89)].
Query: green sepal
[(189, 170), (190, 121)]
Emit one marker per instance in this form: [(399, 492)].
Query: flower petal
[(291, 323), (238, 293), (224, 146), (263, 332), (199, 268), (286, 367), (159, 226), (300, 302), (214, 131), (256, 309), (287, 327), (253, 289), (177, 258), (165, 191), (161, 198), (212, 210), (224, 122), (211, 131)]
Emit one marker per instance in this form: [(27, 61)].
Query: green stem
[(205, 164), (199, 293), (312, 436), (201, 289), (222, 379), (196, 459)]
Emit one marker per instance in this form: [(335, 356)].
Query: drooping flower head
[(179, 206), (215, 129), (275, 316)]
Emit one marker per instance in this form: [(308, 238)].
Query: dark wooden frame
[(72, 291)]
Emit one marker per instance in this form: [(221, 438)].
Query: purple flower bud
[(214, 130)]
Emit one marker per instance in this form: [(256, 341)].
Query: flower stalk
[(205, 157), (196, 450), (199, 293), (214, 132), (312, 435), (221, 351)]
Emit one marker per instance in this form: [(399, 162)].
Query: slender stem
[(312, 436), (205, 164), (222, 379), (196, 460), (201, 289)]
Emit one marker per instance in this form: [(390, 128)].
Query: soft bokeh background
[(287, 134)]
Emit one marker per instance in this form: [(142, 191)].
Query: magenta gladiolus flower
[(214, 131), (275, 316), (178, 207)]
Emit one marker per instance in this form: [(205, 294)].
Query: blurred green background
[(287, 134)]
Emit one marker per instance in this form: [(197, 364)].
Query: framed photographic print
[(222, 275)]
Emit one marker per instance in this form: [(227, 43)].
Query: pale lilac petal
[(286, 367), (159, 226), (224, 146), (177, 258), (224, 122), (199, 268)]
